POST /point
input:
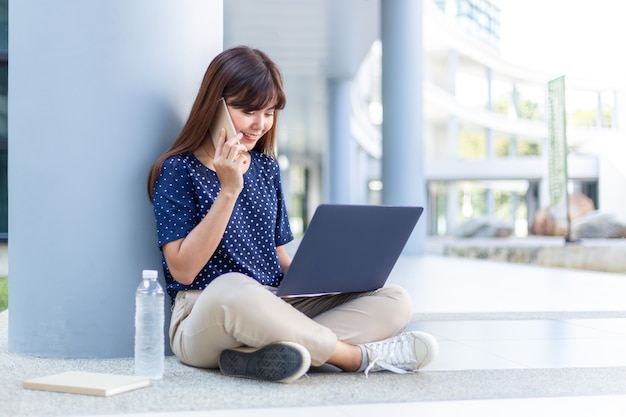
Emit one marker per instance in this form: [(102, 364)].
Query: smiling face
[(253, 124), (252, 86)]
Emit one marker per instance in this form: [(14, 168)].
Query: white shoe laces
[(395, 354)]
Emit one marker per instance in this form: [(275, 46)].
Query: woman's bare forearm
[(187, 256)]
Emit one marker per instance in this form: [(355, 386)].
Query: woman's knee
[(402, 304)]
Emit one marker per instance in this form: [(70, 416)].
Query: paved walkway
[(515, 340)]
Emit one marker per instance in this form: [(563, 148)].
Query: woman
[(222, 226)]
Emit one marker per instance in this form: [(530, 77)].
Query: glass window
[(472, 201), (581, 108), (502, 145), (501, 93), (530, 102), (438, 208), (607, 100), (472, 142), (528, 146)]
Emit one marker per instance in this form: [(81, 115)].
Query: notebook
[(349, 248), (90, 383)]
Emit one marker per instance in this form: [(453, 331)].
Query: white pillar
[(452, 208), (616, 115), (599, 115), (453, 121), (351, 32), (340, 147), (490, 146), (513, 137), (490, 202), (489, 143), (453, 148), (403, 127), (97, 91)]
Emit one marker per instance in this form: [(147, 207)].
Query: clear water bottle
[(149, 318)]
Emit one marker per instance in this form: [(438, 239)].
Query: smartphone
[(221, 120)]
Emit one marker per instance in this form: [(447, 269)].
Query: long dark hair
[(248, 79)]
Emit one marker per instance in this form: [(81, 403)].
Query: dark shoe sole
[(277, 362)]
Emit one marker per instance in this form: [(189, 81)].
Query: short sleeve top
[(185, 191)]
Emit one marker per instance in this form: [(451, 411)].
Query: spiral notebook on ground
[(349, 248)]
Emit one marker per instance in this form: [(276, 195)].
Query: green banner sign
[(557, 152)]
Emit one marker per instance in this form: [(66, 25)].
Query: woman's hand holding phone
[(230, 160)]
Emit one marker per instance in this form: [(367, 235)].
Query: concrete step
[(603, 255)]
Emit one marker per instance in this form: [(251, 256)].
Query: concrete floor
[(514, 340)]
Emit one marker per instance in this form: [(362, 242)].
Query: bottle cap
[(150, 274)]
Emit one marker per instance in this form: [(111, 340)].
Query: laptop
[(349, 248)]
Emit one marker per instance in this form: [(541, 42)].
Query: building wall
[(486, 131)]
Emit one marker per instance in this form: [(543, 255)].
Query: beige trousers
[(235, 310)]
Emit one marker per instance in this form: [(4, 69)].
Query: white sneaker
[(406, 352)]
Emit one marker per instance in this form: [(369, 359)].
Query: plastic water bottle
[(149, 318)]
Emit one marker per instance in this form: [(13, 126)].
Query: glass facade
[(480, 18), (481, 118)]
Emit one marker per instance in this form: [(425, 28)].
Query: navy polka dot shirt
[(184, 193)]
